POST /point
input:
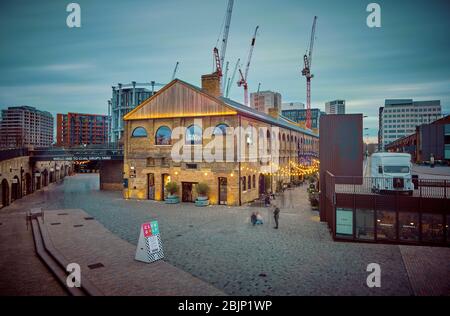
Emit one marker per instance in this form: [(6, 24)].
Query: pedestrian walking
[(276, 216), (267, 200)]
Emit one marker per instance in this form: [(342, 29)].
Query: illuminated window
[(139, 132), (163, 135), (194, 135), (432, 227)]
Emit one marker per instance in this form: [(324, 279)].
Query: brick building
[(428, 139), (74, 129), (181, 113)]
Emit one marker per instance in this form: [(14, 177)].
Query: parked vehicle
[(391, 172)]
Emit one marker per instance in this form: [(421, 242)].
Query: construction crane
[(225, 76), (259, 87), (307, 60), (175, 70), (243, 81), (219, 57), (231, 80)]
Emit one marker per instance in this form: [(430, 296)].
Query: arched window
[(243, 180), (194, 135), (163, 135), (139, 132), (220, 129), (249, 182)]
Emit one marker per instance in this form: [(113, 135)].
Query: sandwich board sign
[(149, 248)]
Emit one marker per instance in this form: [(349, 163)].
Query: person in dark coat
[(276, 216), (253, 218), (267, 200)]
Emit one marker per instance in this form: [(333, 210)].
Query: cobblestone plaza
[(218, 245)]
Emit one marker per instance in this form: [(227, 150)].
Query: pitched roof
[(238, 107)]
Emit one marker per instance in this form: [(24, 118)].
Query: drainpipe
[(239, 163)]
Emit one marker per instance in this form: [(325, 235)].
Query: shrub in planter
[(314, 200), (172, 188), (202, 191)]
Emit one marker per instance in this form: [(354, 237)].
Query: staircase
[(54, 261)]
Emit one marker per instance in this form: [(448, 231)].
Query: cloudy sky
[(45, 64)]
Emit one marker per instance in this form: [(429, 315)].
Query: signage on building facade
[(149, 248), (344, 221)]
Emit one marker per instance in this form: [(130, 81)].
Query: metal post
[(134, 94), (119, 117)]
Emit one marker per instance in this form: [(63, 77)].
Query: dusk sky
[(45, 64)]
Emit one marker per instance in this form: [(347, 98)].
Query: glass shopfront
[(432, 227), (386, 225), (365, 229), (408, 226)]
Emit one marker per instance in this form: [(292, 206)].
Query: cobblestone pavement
[(218, 245), (87, 242)]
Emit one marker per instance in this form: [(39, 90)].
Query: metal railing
[(429, 188)]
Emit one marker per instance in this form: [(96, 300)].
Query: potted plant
[(314, 200), (202, 191), (172, 189)]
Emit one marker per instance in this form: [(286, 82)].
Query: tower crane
[(175, 70), (219, 57), (243, 81), (231, 80), (225, 76), (307, 60)]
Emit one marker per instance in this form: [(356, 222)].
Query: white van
[(391, 172)]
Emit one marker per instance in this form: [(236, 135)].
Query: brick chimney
[(274, 112), (211, 84)]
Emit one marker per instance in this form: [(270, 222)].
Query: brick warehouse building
[(148, 163), (428, 139), (73, 129)]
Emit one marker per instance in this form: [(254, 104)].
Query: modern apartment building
[(25, 126), (399, 118), (335, 107), (74, 129), (292, 106), (264, 100), (125, 97), (299, 116)]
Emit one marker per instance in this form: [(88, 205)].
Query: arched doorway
[(52, 176), (15, 189), (45, 178), (5, 193), (38, 182), (28, 184), (262, 185)]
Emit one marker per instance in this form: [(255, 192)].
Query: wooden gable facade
[(179, 99)]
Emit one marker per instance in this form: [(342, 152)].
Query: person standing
[(276, 216)]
